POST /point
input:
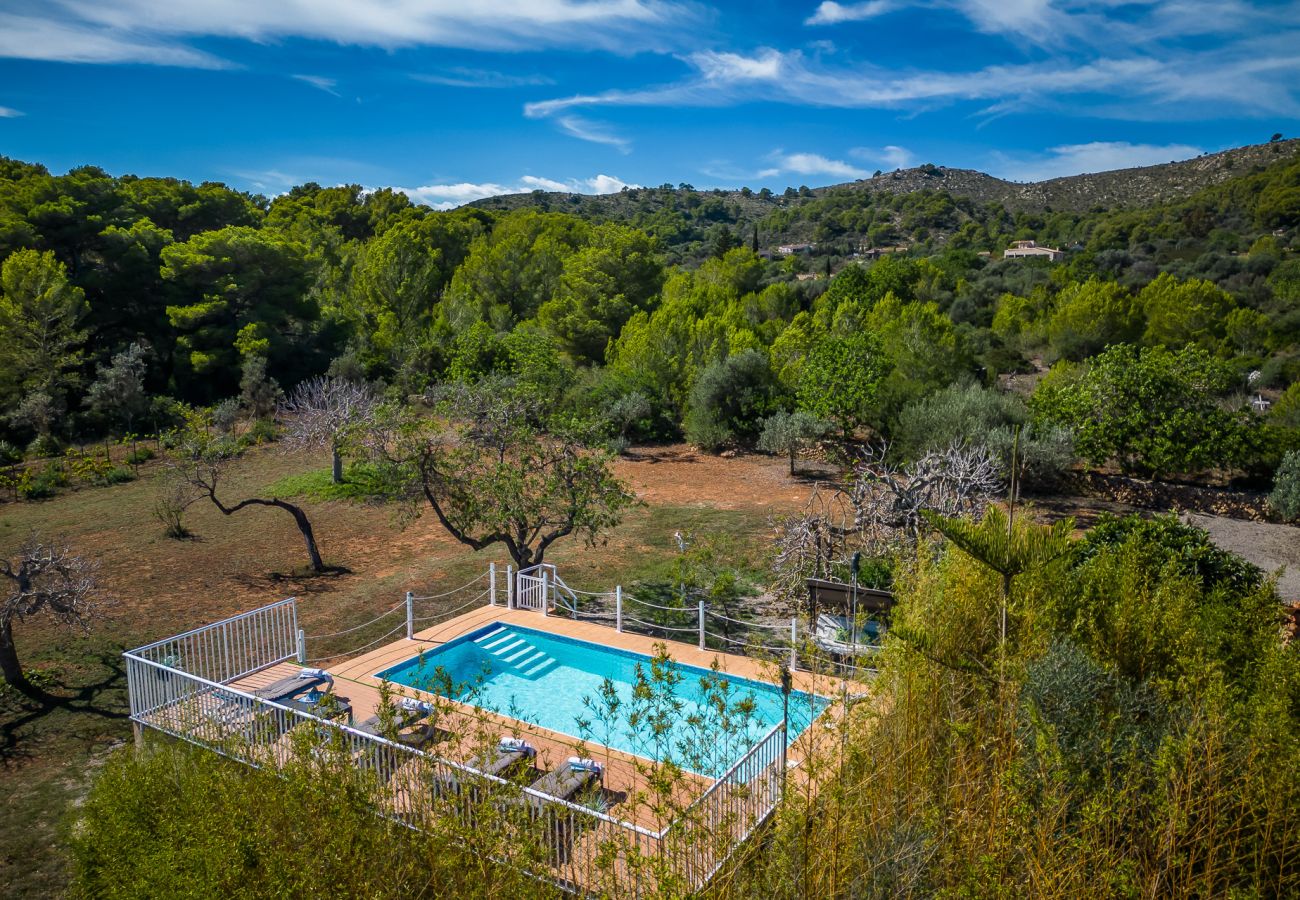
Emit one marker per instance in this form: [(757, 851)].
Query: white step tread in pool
[(515, 651)]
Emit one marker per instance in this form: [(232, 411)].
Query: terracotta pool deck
[(471, 728)]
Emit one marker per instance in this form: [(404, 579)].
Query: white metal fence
[(579, 846), (231, 648)]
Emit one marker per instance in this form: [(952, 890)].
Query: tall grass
[(1145, 743)]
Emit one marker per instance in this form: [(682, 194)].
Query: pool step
[(515, 652)]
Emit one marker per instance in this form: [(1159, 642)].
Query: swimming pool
[(701, 720)]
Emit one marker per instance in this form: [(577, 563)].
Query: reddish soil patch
[(679, 474)]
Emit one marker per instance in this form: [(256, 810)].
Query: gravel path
[(1266, 545)]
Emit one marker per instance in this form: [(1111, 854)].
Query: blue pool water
[(704, 722)]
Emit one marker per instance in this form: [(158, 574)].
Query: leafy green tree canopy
[(1154, 411), (840, 380)]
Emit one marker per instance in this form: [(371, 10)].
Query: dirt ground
[(160, 585)]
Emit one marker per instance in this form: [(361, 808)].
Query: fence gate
[(531, 588)]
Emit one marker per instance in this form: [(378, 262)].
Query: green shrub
[(118, 475), (1285, 498), (730, 399), (9, 454), (179, 821), (262, 431), (140, 455), (45, 446), (44, 483)]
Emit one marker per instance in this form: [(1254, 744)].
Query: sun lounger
[(510, 754), (290, 686), (408, 716), (574, 777)]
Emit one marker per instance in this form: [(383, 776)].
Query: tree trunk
[(10, 667), (792, 454), (338, 466), (308, 536), (299, 517)]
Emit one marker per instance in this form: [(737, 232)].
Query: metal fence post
[(510, 587), (546, 594), (410, 616), (492, 584), (794, 643), (618, 608), (701, 624), (302, 647)]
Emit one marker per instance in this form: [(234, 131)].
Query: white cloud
[(319, 82), (620, 25), (532, 182), (891, 156), (595, 132), (831, 13), (8, 112), (30, 37), (735, 67), (811, 164), (481, 78), (449, 196), (1096, 156), (607, 184)]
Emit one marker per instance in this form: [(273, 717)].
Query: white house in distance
[(1028, 249)]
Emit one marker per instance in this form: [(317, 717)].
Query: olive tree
[(44, 578), (788, 433), (204, 474), (1285, 496), (493, 473)]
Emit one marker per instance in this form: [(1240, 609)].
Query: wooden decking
[(472, 729)]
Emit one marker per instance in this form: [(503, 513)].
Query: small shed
[(836, 597)]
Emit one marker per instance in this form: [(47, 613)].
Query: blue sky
[(454, 100)]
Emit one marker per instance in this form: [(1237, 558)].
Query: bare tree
[(175, 495), (322, 410), (881, 508), (205, 473), (50, 578), (888, 500)]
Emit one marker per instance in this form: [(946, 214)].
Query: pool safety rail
[(181, 686)]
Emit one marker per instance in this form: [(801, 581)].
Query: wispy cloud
[(481, 78), (449, 196), (1259, 80), (778, 163), (831, 13), (891, 156), (319, 82), (811, 164), (8, 112), (619, 25), (1096, 156), (54, 39), (268, 181), (595, 132)]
